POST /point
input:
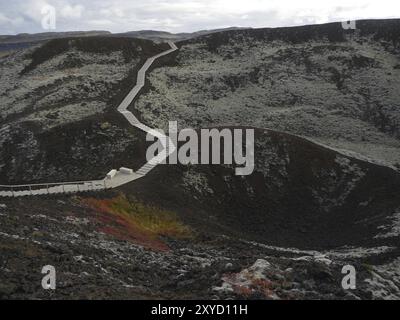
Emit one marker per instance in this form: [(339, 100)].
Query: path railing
[(53, 188)]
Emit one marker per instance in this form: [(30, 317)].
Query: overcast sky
[(20, 16)]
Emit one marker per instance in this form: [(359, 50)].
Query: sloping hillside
[(338, 87), (58, 101), (299, 195), (284, 232), (200, 231)]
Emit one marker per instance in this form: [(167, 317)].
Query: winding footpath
[(120, 178)]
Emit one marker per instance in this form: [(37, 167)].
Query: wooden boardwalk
[(120, 178)]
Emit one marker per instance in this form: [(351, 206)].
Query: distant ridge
[(35, 37), (154, 35), (157, 36)]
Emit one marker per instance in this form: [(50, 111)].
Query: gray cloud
[(21, 16)]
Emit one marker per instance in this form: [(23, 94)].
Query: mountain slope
[(58, 109), (335, 86), (200, 231)]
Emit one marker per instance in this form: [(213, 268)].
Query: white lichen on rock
[(392, 229), (316, 89), (196, 181)]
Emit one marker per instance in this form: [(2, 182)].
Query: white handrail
[(44, 184)]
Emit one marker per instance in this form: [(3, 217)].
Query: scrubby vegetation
[(130, 219), (104, 45)]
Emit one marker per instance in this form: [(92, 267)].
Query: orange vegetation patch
[(247, 285), (131, 220)]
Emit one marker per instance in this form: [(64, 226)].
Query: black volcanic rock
[(324, 192)]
